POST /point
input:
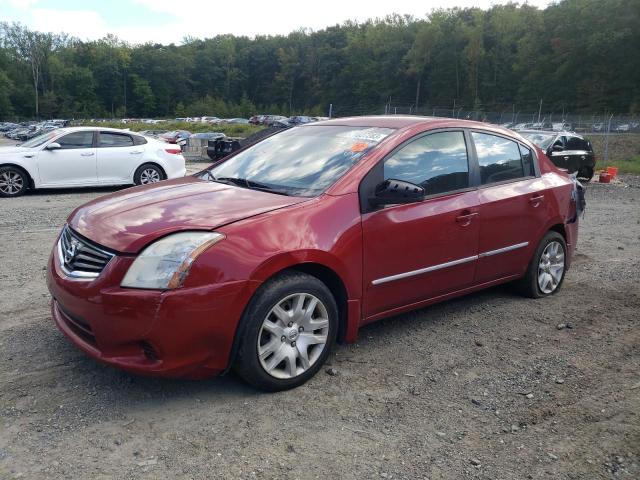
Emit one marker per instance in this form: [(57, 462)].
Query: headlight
[(165, 264)]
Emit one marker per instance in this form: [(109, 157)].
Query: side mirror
[(53, 146), (394, 192)]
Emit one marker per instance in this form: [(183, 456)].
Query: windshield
[(542, 140), (39, 140), (302, 161)]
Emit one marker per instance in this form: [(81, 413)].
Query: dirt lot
[(490, 386)]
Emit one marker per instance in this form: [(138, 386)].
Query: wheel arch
[(149, 162), (30, 177), (327, 275)]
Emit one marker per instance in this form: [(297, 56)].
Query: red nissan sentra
[(263, 261)]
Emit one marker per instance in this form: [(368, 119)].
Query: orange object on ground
[(605, 177), (613, 171)]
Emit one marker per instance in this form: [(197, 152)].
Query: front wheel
[(291, 325), (546, 271), (13, 182)]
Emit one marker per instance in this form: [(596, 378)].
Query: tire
[(544, 276), (148, 173), (586, 174), (13, 181), (290, 355)]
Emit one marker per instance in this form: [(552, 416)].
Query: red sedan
[(263, 261)]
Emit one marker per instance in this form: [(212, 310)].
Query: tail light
[(173, 151)]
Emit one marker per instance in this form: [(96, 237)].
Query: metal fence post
[(606, 140)]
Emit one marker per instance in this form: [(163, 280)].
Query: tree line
[(575, 55)]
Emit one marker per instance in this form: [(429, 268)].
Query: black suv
[(566, 150)]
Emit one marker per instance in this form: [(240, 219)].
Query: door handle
[(136, 152), (88, 154), (566, 157), (537, 200), (29, 155), (465, 219)]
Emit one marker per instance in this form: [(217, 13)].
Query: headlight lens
[(165, 264)]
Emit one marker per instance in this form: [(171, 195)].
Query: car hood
[(127, 221), (14, 150)]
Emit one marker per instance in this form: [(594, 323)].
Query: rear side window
[(138, 140), (76, 140), (499, 158), (438, 162), (527, 161), (108, 139), (575, 143)]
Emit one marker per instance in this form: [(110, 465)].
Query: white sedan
[(87, 156)]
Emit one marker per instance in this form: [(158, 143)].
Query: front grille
[(79, 257)]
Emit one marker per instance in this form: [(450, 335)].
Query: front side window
[(108, 139), (498, 157), (437, 162), (76, 140), (301, 161)]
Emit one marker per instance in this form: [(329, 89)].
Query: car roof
[(403, 121), (93, 129)]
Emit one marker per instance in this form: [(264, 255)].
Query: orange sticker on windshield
[(359, 147)]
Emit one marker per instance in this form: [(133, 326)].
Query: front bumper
[(187, 332)]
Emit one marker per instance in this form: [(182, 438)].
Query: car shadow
[(39, 192)]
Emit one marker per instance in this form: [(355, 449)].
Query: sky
[(170, 21)]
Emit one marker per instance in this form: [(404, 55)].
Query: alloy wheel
[(149, 175), (293, 335), (11, 183), (551, 267)]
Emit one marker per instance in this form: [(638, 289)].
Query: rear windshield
[(542, 140), (302, 161)]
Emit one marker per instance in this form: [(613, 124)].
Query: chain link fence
[(518, 120)]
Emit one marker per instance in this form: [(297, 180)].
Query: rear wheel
[(13, 182), (291, 325), (547, 268), (586, 174), (148, 173)]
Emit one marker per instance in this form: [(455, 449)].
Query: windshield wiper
[(245, 183)]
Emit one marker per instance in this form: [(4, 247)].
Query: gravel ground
[(490, 386)]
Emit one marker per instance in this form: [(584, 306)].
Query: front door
[(421, 250), (73, 164)]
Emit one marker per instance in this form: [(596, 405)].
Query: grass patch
[(631, 166), (234, 130)]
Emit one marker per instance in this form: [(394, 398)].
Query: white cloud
[(203, 18), (22, 3), (78, 23)]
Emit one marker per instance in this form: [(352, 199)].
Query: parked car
[(152, 133), (82, 157), (257, 120), (597, 127), (213, 120), (624, 127), (300, 120), (566, 150), (561, 127), (175, 136), (263, 261), (270, 120), (236, 121)]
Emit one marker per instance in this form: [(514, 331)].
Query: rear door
[(421, 250), (513, 206), (73, 164), (118, 157)]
